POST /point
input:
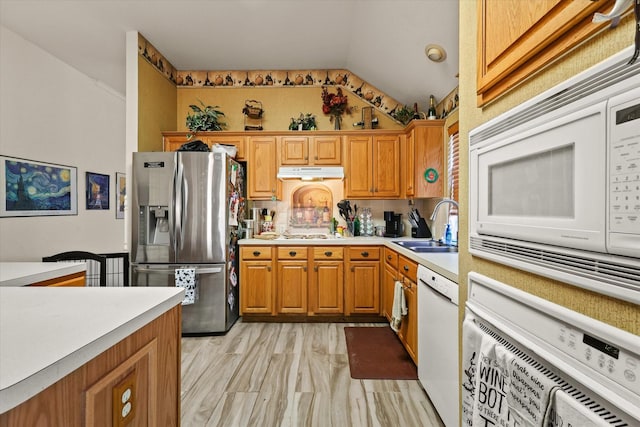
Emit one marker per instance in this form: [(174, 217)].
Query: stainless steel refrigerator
[(186, 207)]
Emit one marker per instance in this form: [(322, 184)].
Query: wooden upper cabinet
[(372, 166), (294, 150), (263, 183), (518, 38), (359, 168), (425, 155), (310, 150), (326, 150), (386, 168), (237, 141), (173, 140)]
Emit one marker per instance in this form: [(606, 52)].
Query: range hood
[(311, 173)]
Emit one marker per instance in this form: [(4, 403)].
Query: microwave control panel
[(624, 172)]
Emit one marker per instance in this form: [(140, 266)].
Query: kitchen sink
[(426, 246)]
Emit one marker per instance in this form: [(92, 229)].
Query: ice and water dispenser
[(151, 226)]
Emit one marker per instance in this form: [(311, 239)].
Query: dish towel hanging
[(399, 308), (472, 337), (186, 278), (564, 410)]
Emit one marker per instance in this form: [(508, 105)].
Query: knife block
[(422, 231)]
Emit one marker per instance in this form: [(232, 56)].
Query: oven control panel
[(609, 360)]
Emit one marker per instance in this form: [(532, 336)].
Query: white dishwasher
[(438, 342)]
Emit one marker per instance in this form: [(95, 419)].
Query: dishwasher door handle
[(437, 291)]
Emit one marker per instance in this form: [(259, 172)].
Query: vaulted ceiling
[(382, 42)]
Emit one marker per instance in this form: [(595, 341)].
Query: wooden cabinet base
[(150, 358), (318, 318)]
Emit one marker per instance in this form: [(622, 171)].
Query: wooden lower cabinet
[(408, 333), (257, 280), (146, 362), (363, 281), (291, 282), (310, 281), (326, 284)]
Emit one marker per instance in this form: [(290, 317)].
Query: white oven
[(527, 361), (554, 184)]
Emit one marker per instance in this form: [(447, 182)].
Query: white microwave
[(554, 185)]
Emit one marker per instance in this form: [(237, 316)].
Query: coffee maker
[(393, 224)]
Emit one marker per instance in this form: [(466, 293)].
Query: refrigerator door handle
[(179, 203), (173, 270)]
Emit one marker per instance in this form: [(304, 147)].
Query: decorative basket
[(252, 109)]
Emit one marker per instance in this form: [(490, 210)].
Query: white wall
[(51, 112)]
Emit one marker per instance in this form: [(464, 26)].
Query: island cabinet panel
[(147, 362), (76, 279)]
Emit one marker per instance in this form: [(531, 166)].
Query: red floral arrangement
[(334, 103)]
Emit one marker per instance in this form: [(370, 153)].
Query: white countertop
[(48, 332), (26, 273), (443, 263)]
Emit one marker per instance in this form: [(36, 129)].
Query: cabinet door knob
[(292, 253), (304, 268), (256, 253), (316, 157), (268, 268), (389, 257), (315, 268), (328, 253), (364, 254), (406, 268)]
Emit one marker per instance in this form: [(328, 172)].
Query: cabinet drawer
[(364, 252), (391, 257), (328, 252), (255, 252), (292, 252), (408, 268)]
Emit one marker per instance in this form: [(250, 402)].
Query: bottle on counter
[(326, 215), (447, 234), (356, 227)]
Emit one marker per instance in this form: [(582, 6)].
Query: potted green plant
[(404, 114), (206, 118)]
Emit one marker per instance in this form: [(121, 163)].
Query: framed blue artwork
[(97, 188), (34, 188)]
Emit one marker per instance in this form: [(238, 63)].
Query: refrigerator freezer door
[(152, 201), (215, 308), (201, 211)]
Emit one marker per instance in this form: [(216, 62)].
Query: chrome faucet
[(441, 202)]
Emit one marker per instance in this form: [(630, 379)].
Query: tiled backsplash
[(288, 218)]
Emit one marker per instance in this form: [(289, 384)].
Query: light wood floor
[(290, 374)]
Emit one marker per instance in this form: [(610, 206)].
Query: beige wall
[(280, 104), (618, 313), (157, 101)]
